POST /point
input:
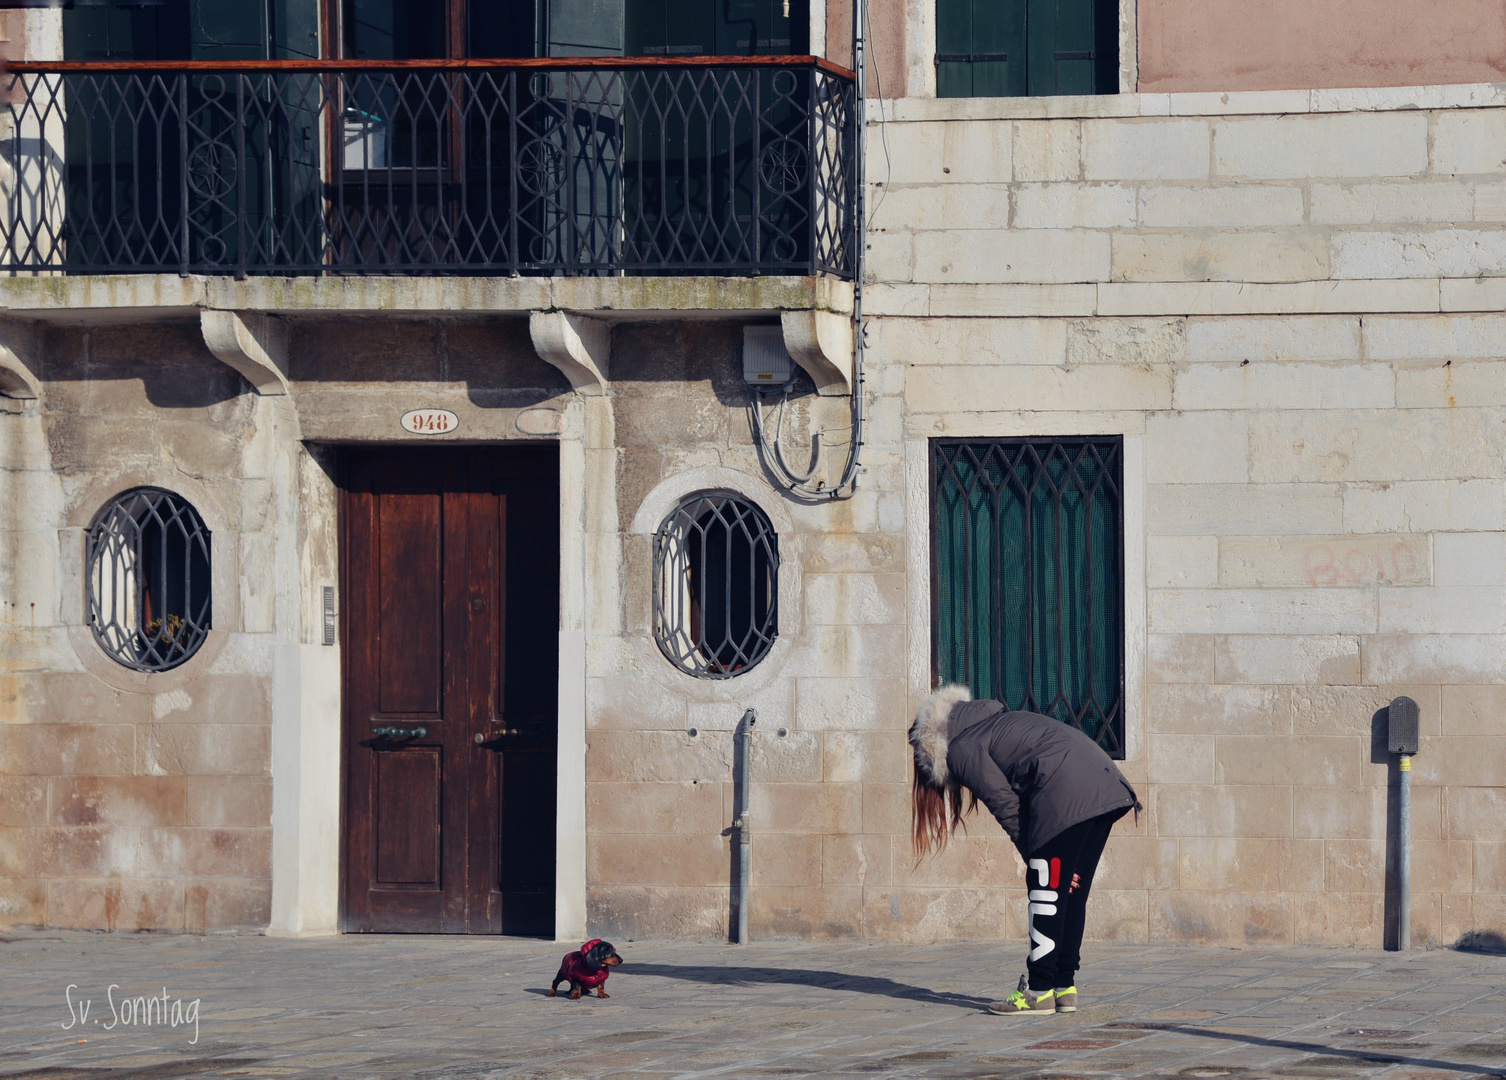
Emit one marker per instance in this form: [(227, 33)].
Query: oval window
[(147, 579), (716, 586)]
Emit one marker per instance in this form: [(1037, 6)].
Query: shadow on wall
[(494, 359), (170, 361), (1484, 941)]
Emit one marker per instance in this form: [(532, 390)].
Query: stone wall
[(132, 801), (1288, 305), (1317, 451), (829, 759)]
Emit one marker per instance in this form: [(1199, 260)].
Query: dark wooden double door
[(451, 585)]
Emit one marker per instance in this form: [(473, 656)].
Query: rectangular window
[(1027, 576), (1019, 48)]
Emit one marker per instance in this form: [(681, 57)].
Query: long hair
[(936, 813)]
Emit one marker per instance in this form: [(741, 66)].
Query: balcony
[(727, 166)]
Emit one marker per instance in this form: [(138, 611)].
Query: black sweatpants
[(1059, 874)]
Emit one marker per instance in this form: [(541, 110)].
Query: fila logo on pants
[(1043, 902)]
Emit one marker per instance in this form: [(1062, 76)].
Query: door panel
[(406, 792), (450, 562), (411, 613)]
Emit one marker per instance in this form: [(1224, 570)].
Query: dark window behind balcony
[(193, 30), (718, 28)]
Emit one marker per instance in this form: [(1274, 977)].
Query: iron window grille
[(716, 586), (147, 580), (1027, 576)]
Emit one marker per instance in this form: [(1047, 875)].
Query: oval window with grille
[(147, 579), (716, 586)]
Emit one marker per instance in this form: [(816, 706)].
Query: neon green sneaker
[(1066, 999), (1024, 1000)]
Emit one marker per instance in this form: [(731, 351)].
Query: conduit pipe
[(742, 752)]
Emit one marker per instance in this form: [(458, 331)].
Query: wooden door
[(451, 580)]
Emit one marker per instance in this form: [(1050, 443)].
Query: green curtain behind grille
[(1028, 593)]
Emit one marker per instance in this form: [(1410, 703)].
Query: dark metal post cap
[(1401, 726)]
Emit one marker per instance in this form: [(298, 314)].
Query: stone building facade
[(1285, 303)]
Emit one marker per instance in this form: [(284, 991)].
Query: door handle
[(487, 736), (400, 732)]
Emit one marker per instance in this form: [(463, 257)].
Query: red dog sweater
[(576, 971)]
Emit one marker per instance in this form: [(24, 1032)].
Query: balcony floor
[(119, 298)]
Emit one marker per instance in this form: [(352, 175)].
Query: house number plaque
[(430, 421)]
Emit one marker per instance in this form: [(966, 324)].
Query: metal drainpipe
[(744, 748)]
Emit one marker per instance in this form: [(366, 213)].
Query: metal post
[(743, 751), (1404, 855), (1403, 739)]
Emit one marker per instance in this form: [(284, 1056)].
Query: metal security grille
[(716, 586), (148, 580), (1027, 588), (578, 166)]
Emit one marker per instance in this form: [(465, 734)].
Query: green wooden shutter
[(126, 32), (229, 30), (295, 29), (1027, 576), (1061, 47), (980, 48), (1052, 47)]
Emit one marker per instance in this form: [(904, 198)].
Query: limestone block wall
[(829, 794), (132, 801), (1336, 186), (1288, 317)]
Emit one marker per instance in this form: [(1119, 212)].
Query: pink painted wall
[(886, 43), (1189, 45), (12, 36)]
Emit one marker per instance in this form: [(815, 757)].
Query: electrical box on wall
[(766, 362)]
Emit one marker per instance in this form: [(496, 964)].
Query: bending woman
[(1057, 795)]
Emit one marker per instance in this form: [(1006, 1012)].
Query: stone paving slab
[(434, 1008)]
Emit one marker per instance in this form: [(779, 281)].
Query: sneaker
[(1066, 999), (1024, 1000)]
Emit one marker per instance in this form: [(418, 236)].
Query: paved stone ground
[(454, 1009)]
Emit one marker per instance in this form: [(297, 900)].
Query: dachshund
[(586, 968)]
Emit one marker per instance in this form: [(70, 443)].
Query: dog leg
[(601, 991), (559, 977), (575, 989)]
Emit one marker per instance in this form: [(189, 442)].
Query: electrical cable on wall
[(799, 484)]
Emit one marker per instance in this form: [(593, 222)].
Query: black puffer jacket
[(1037, 775)]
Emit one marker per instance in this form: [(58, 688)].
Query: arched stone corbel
[(821, 343), (20, 353), (254, 344), (579, 346)]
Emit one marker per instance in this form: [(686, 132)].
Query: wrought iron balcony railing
[(706, 166)]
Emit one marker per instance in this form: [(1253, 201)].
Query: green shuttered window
[(1018, 48), (1027, 582)]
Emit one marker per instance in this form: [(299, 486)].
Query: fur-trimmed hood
[(931, 731)]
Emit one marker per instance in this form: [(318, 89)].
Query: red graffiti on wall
[(1326, 565)]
